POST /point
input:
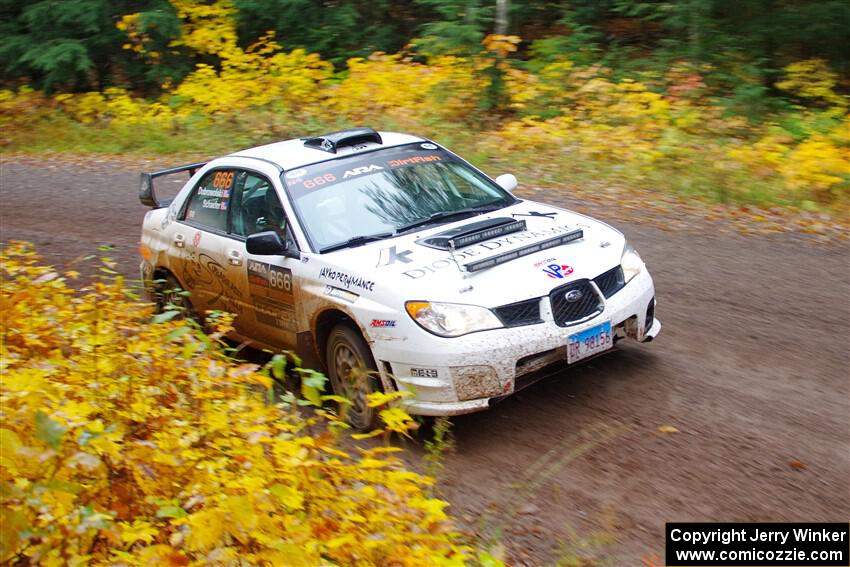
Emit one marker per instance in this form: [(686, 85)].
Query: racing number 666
[(280, 280)]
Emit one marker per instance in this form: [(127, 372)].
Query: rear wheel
[(353, 375), (170, 295)]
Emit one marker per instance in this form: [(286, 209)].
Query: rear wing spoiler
[(146, 192)]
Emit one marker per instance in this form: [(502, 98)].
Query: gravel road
[(749, 382)]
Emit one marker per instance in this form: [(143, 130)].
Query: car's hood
[(417, 271)]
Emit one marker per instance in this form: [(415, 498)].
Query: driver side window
[(256, 207)]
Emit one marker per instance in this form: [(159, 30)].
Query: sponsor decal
[(486, 234), (214, 204), (485, 247), (270, 281), (343, 294), (216, 196), (222, 180), (558, 270), (314, 182), (361, 170), (413, 160), (296, 173), (424, 372), (196, 239), (550, 216), (203, 270), (271, 294), (170, 216), (347, 280), (274, 313), (544, 262), (428, 146), (382, 323), (213, 192), (391, 255)]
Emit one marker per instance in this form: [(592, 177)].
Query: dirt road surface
[(751, 369)]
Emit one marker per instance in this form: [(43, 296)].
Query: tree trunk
[(502, 17)]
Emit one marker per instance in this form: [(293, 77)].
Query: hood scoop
[(473, 233)]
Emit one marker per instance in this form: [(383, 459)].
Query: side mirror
[(269, 244), (507, 181)]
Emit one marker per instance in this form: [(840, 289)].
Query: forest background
[(719, 100)]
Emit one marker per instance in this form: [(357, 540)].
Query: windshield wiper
[(357, 241), (446, 215)]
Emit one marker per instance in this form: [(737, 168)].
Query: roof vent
[(331, 142)]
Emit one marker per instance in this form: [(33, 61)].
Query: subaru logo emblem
[(573, 295)]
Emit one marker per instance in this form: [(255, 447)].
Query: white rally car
[(394, 264)]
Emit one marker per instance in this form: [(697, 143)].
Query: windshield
[(358, 199)]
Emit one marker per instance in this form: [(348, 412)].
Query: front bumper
[(453, 376)]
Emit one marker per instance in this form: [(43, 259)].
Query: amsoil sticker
[(382, 323)]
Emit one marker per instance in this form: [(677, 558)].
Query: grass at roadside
[(671, 195)]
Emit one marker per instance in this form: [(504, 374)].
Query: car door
[(200, 239), (267, 281)]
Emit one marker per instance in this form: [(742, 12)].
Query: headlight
[(631, 263), (451, 319)]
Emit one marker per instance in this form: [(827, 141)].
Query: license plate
[(589, 342)]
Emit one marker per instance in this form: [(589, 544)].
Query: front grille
[(521, 313), (570, 312), (611, 281)]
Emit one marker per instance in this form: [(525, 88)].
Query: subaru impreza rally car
[(394, 264)]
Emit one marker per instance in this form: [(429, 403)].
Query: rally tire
[(353, 375), (170, 292)]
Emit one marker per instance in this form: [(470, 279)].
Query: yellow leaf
[(288, 496), (139, 530), (374, 433), (667, 429), (205, 529), (337, 542)]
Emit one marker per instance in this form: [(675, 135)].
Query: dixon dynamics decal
[(484, 247)]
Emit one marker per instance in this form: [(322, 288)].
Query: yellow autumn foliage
[(128, 442), (555, 121)]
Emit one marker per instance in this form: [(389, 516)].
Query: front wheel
[(353, 375)]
